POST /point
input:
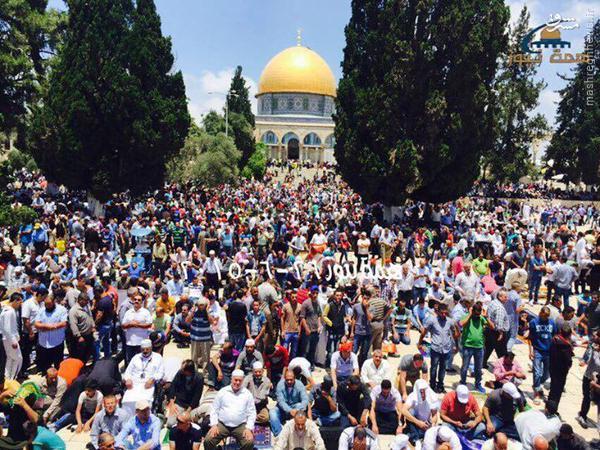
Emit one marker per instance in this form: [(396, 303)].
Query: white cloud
[(548, 101), (517, 5), (199, 88)]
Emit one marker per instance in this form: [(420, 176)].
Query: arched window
[(312, 139), (330, 141), (288, 137), (269, 138)]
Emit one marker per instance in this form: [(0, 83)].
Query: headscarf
[(430, 396)]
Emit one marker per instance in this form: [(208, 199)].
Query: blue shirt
[(140, 432), (540, 334), (52, 338), (291, 398), (47, 440)]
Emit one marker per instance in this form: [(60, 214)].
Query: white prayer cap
[(250, 343), (257, 365), (237, 373), (444, 433), (146, 343), (400, 442)]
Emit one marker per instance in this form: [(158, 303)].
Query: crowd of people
[(540, 190), (294, 302)]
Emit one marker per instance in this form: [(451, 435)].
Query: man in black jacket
[(561, 359), (354, 402), (185, 391), (334, 316)]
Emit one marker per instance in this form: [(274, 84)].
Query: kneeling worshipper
[(144, 370)]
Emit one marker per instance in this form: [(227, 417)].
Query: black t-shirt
[(184, 440), (595, 267), (236, 317), (105, 304), (503, 407)]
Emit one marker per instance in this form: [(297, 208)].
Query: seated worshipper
[(420, 410), (568, 440), (508, 370), (400, 442), (232, 414), (358, 438), (260, 387), (276, 361), (302, 369), (291, 398), (136, 322), (53, 387), (42, 438), (500, 408), (110, 419), (143, 372), (222, 365), (322, 405), (142, 431), (386, 409), (106, 441), (185, 435), (441, 437), (500, 441), (533, 424), (89, 403), (344, 363), (180, 332), (411, 368), (300, 433), (161, 323), (354, 402), (248, 356), (375, 370), (185, 391), (401, 323), (461, 412), (17, 412)]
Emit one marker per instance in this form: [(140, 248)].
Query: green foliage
[(241, 119), (257, 164), (28, 35), (239, 129), (575, 146), (412, 110), (114, 111), (18, 160), (206, 159), (240, 102), (14, 216), (515, 127), (213, 123)]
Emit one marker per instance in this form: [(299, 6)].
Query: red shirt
[(278, 360), (455, 410)]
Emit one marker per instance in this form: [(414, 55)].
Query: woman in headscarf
[(420, 410)]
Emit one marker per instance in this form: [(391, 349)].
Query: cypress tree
[(240, 103), (241, 119), (412, 111)]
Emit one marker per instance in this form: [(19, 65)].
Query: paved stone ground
[(569, 405)]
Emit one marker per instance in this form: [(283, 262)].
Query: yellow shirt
[(168, 305)]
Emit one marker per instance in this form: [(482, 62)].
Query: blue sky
[(211, 37)]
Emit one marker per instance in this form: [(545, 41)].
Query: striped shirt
[(200, 329), (377, 308), (497, 314)]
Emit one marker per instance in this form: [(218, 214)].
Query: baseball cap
[(462, 393), (511, 389), (141, 405)]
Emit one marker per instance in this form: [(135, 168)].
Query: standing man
[(10, 336), (236, 321), (561, 359), (564, 276), (467, 284), (29, 311), (82, 329), (334, 316), (51, 323), (290, 324), (200, 334), (136, 323), (497, 338), (473, 325), (443, 333), (380, 311), (232, 414), (310, 321), (361, 327), (541, 331)]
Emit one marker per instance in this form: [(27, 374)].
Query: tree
[(575, 146), (413, 109), (257, 164), (213, 123), (28, 35), (114, 112), (206, 159), (515, 127), (240, 102), (241, 119)]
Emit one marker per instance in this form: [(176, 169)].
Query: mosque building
[(295, 103)]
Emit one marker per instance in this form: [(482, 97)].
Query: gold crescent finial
[(299, 37)]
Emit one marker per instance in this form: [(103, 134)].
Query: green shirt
[(480, 267), (160, 323), (472, 335)]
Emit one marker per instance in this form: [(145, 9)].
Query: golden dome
[(297, 69)]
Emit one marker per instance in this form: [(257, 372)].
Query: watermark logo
[(546, 36)]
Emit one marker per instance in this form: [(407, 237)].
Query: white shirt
[(29, 310), (347, 438), (430, 439), (304, 365), (371, 374), (8, 325), (233, 408), (469, 284), (534, 423), (142, 369), (135, 335)]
